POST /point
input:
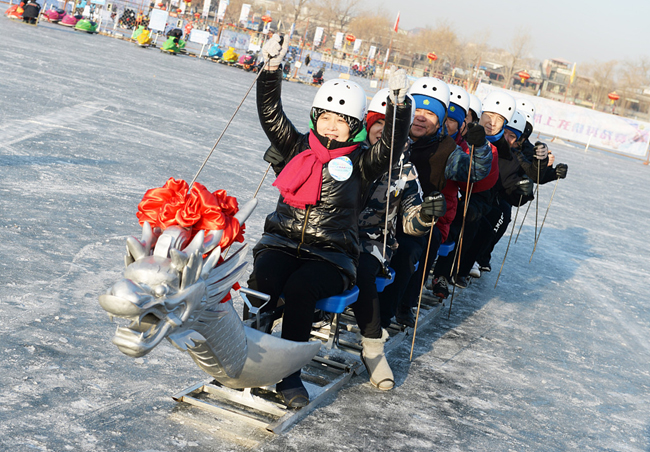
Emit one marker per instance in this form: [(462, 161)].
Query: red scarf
[(301, 180)]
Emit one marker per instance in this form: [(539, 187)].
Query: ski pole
[(522, 222), (462, 228), (231, 118), (540, 229), (460, 249), (536, 202), (262, 181), (512, 231), (390, 169), (424, 277), (225, 253), (227, 125)]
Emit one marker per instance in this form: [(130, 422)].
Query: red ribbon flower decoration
[(200, 210)]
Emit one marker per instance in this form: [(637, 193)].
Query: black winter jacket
[(31, 10), (513, 167), (328, 230)]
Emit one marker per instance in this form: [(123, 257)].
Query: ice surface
[(555, 358)]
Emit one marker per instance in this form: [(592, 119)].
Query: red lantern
[(179, 10), (350, 38), (266, 19), (613, 96), (432, 56), (160, 4), (197, 15), (523, 75)]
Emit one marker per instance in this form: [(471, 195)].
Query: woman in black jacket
[(310, 246)]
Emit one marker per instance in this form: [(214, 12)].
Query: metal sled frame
[(261, 407), (323, 377)]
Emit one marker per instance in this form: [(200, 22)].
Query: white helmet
[(518, 122), (380, 100), (343, 97), (460, 97), (500, 103), (431, 87), (475, 105), (527, 108)]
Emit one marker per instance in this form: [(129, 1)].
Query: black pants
[(410, 298), (366, 308), (446, 265), (479, 205), (492, 228), (302, 281), (410, 252)]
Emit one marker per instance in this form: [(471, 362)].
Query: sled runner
[(262, 407), (333, 367)]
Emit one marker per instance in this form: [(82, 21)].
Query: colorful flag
[(318, 35), (573, 74), (245, 10), (221, 12), (206, 8), (338, 42), (396, 27)]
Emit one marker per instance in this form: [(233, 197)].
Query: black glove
[(475, 134), (561, 170), (524, 187), (434, 205), (272, 155)]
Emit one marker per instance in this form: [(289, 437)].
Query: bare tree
[(603, 75), (337, 14), (296, 10), (472, 51), (441, 40), (372, 27), (519, 48), (632, 78), (233, 10)]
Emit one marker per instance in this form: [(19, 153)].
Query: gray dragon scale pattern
[(170, 290)]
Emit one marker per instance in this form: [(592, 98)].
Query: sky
[(576, 30)]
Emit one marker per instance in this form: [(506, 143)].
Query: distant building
[(556, 75)]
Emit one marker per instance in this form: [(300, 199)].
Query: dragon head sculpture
[(176, 286), (170, 284)]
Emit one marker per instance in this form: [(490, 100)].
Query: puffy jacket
[(31, 10), (328, 230), (514, 166), (487, 182), (528, 161), (405, 202), (441, 163)]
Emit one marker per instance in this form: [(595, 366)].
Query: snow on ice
[(555, 358)]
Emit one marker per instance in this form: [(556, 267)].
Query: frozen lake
[(555, 358)]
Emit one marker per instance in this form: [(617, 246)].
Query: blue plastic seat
[(336, 304), (446, 248), (381, 281)]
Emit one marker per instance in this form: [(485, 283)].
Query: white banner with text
[(582, 125)]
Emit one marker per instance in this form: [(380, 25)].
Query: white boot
[(375, 361)]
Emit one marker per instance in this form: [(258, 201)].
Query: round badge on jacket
[(340, 168)]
